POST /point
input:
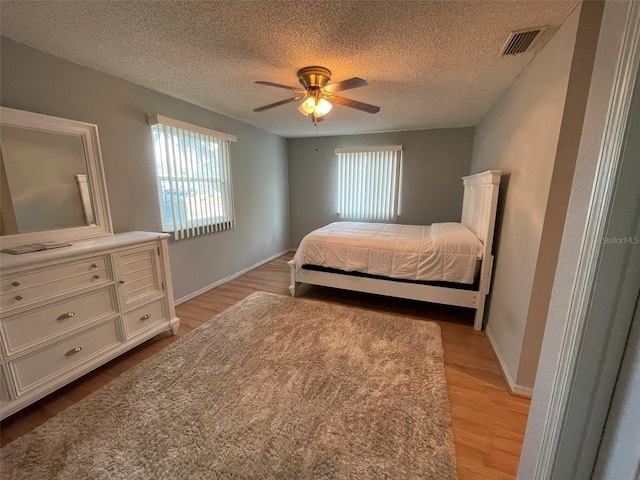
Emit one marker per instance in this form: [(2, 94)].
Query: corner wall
[(520, 136), (38, 82)]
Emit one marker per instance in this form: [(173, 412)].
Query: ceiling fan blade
[(365, 107), (354, 82), (278, 85), (277, 104)]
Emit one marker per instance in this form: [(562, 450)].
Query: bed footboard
[(425, 293), (294, 284)]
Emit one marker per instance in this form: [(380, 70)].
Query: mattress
[(447, 252)]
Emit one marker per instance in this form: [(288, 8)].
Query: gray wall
[(520, 136), (560, 189), (432, 166), (38, 82)]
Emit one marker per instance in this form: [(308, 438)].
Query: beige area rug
[(273, 388)]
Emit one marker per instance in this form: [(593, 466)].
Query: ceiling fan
[(318, 93)]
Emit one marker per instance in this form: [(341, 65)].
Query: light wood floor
[(488, 423)]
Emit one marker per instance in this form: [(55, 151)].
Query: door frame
[(566, 433)]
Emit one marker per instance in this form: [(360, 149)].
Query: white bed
[(398, 256), (442, 252)]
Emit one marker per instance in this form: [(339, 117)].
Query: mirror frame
[(95, 177)]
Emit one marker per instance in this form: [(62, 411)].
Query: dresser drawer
[(30, 287), (145, 317), (34, 369), (28, 329)]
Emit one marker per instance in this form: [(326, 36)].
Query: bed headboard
[(480, 203)]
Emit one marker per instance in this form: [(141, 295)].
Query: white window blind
[(193, 171), (369, 182)]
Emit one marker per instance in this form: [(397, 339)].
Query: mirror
[(62, 201), (51, 180)]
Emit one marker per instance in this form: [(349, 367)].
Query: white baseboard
[(229, 278), (513, 386)]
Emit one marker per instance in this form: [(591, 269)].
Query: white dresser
[(64, 312)]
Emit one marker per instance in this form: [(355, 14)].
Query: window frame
[(395, 183), (187, 161)]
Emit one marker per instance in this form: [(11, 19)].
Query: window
[(369, 182), (193, 171)]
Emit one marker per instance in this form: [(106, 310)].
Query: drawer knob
[(96, 276), (66, 315), (73, 351), (19, 297), (121, 282), (145, 317), (16, 283), (94, 265)]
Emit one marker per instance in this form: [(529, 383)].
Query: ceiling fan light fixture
[(323, 107), (309, 105), (320, 93), (315, 106), (301, 110)]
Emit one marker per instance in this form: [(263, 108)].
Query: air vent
[(519, 42)]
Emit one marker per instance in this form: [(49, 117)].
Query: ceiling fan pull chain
[(316, 125)]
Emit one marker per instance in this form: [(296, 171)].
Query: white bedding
[(447, 252)]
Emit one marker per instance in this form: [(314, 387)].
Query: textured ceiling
[(429, 64)]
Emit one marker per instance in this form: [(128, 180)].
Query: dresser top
[(80, 247)]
